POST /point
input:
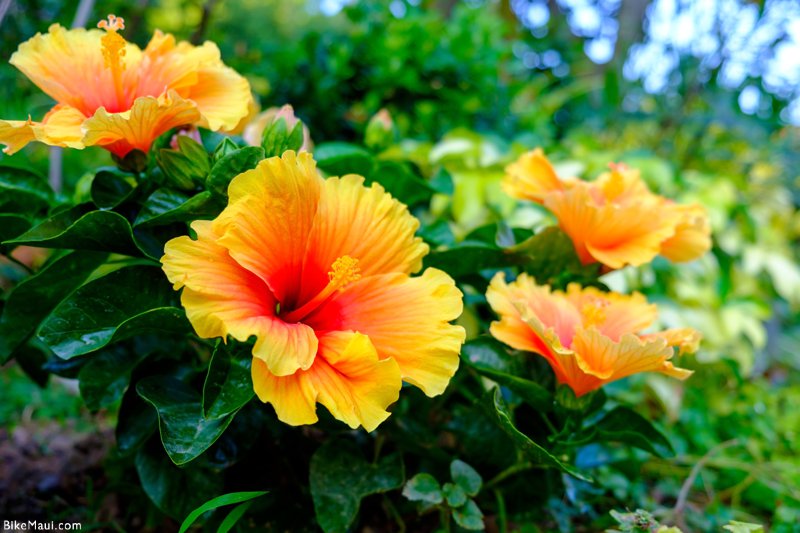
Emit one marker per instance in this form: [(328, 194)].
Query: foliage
[(504, 448)]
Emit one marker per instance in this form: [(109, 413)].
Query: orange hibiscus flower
[(588, 337), (318, 271), (615, 220), (110, 93)]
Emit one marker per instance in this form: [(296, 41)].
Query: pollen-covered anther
[(345, 270), (594, 313), (113, 43)]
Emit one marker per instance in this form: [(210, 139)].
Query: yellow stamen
[(593, 313), (113, 52), (344, 271), (615, 185)]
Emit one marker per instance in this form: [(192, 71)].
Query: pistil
[(113, 52), (344, 271)]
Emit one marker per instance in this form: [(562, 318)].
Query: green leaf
[(277, 138), (31, 358), (735, 526), (466, 259), (219, 501), (401, 182), (490, 358), (233, 517), (537, 454), (550, 257), (469, 516), (185, 167), (109, 188), (136, 422), (104, 378), (230, 166), (22, 191), (185, 432), (225, 147), (466, 477), (35, 297), (586, 404), (339, 158), (623, 424), (11, 227), (82, 228), (228, 386), (166, 206), (423, 488), (176, 491), (454, 494), (340, 478), (127, 302)]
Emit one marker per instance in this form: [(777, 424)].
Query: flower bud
[(278, 130), (380, 132)]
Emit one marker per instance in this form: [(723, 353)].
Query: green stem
[(508, 472), (444, 517), (502, 519)]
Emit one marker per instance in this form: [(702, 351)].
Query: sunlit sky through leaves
[(754, 46)]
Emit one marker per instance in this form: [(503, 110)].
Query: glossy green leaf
[(34, 298), (82, 228), (136, 422), (469, 516), (466, 259), (11, 227), (233, 517), (230, 166), (175, 490), (22, 191), (340, 478), (104, 378), (401, 182), (130, 301), (185, 432), (454, 494), (536, 453), (339, 158), (466, 477), (550, 257), (623, 424), (228, 384), (109, 188), (492, 360), (423, 488), (166, 206), (219, 501)]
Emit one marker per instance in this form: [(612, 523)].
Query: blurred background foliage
[(701, 96)]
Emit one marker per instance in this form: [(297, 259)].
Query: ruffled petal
[(68, 66), (196, 73), (407, 319), (523, 296), (268, 220), (531, 177), (599, 356), (347, 378), (60, 127), (365, 223), (141, 125), (687, 340), (223, 298), (613, 314), (692, 236)]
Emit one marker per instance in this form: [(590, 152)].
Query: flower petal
[(692, 236), (365, 223), (68, 65), (60, 127), (407, 319), (196, 73), (221, 298), (138, 128), (531, 177), (619, 314), (347, 377), (268, 220)]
